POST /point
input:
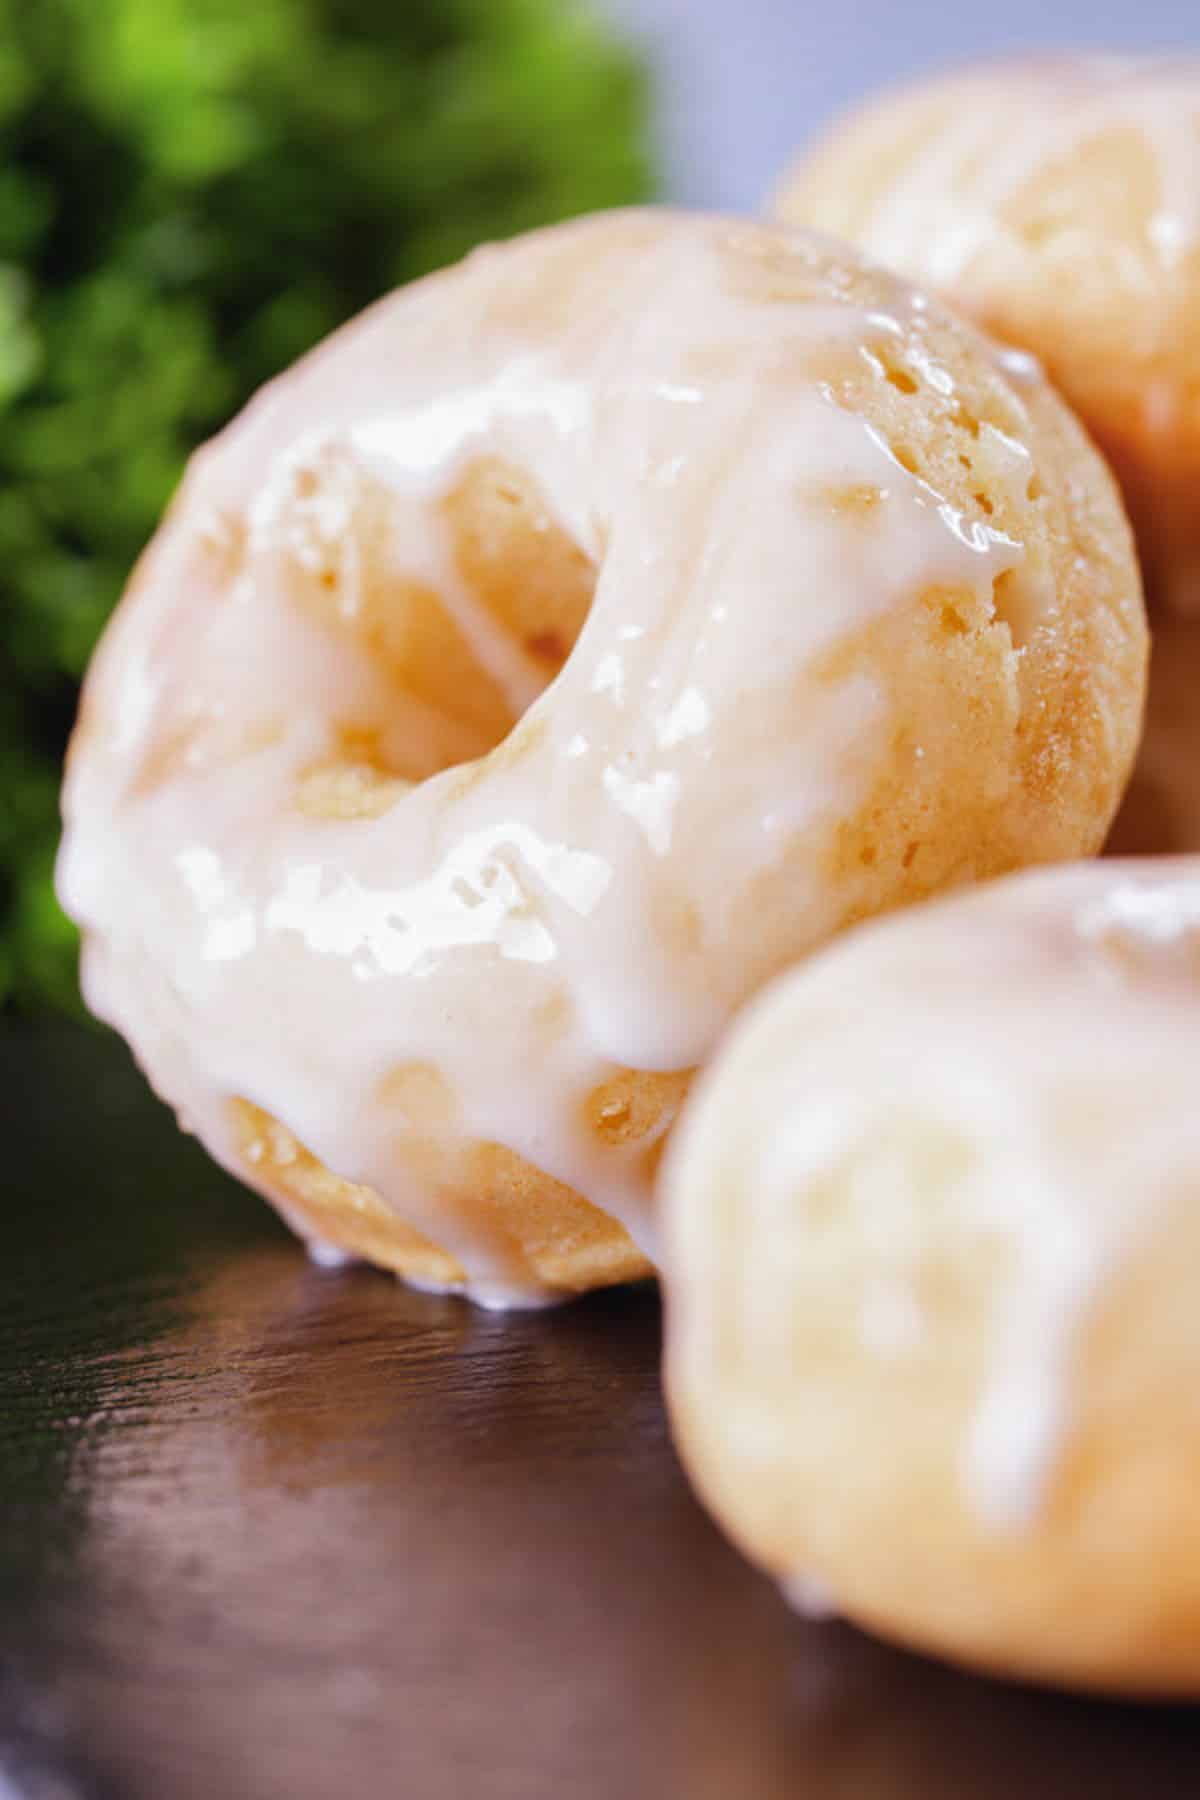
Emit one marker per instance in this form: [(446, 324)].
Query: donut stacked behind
[(1057, 201), (571, 644)]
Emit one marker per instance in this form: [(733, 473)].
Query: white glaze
[(247, 950), (328, 1256), (811, 1597), (1046, 1029)]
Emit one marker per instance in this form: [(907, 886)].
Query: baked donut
[(932, 1233), (574, 641), (1057, 200), (1161, 809)]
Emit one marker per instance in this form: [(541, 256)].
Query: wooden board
[(270, 1531)]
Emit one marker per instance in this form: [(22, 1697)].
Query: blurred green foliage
[(191, 193)]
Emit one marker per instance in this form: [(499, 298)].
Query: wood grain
[(269, 1531)]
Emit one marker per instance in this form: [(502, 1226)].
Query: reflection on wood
[(267, 1530)]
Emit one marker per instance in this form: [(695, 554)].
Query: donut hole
[(356, 782), (519, 563), (451, 664)]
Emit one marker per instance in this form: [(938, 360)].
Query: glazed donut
[(1058, 201), (573, 642), (1161, 810), (932, 1237)]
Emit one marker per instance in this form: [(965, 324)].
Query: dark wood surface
[(270, 1531)]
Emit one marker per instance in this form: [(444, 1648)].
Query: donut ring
[(574, 641), (932, 1240), (1055, 200)]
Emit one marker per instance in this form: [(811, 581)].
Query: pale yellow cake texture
[(869, 1202), (1055, 201)]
